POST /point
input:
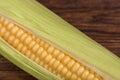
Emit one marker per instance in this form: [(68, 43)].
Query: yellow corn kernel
[(43, 53)]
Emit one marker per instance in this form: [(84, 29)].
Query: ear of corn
[(43, 23), (43, 53)]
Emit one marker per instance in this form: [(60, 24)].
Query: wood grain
[(99, 19)]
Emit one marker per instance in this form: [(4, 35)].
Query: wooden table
[(99, 19)]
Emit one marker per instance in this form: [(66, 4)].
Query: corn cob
[(48, 57), (43, 53)]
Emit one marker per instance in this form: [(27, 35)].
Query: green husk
[(44, 23)]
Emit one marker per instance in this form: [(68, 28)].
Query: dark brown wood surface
[(99, 19)]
